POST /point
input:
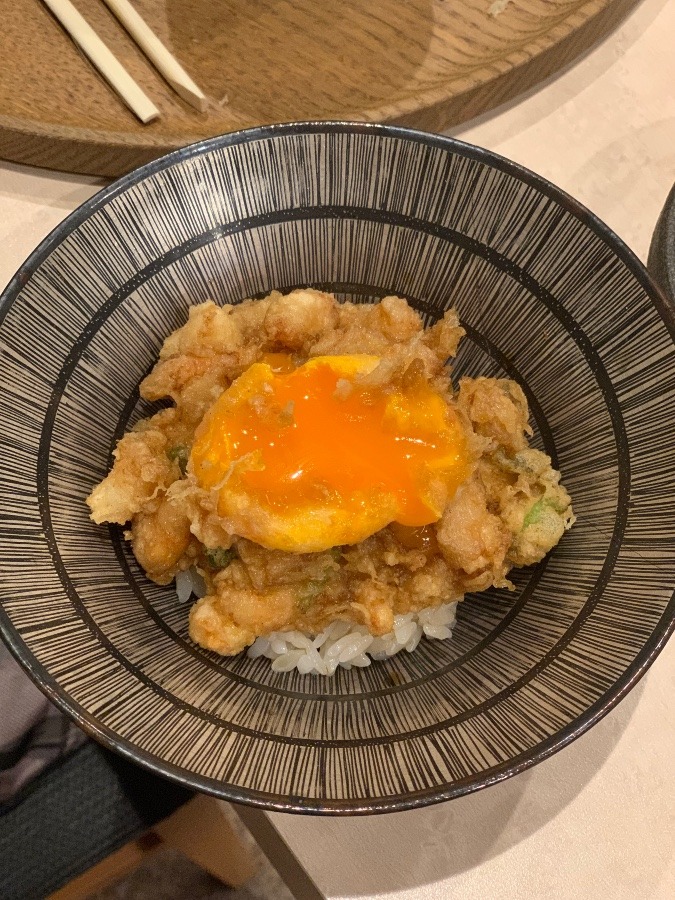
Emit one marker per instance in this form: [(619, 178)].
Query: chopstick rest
[(108, 65), (155, 50)]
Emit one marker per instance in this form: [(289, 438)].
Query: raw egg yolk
[(307, 458)]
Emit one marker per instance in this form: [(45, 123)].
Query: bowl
[(661, 262), (548, 296)]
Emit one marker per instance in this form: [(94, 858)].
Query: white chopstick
[(163, 61), (111, 69)]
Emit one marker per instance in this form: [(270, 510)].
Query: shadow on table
[(49, 188), (452, 837), (573, 78)]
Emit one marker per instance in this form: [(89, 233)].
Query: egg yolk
[(307, 458)]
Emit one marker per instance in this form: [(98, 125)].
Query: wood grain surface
[(424, 63)]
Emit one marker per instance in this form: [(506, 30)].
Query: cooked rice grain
[(345, 644)]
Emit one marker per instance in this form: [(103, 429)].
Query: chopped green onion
[(534, 514), (219, 557), (180, 455), (539, 510), (309, 594)]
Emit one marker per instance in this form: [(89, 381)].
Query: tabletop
[(597, 820)]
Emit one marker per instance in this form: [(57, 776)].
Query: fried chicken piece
[(389, 328), (533, 505), (521, 486), (297, 319), (209, 331), (444, 336), (473, 540), (229, 621), (160, 537), (497, 409), (141, 470)]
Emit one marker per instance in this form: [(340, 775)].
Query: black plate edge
[(663, 303)]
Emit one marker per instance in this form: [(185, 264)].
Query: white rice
[(188, 583), (345, 644), (342, 644)]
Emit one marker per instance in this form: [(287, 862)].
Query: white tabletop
[(597, 820)]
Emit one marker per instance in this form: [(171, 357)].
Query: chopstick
[(163, 61), (111, 69)]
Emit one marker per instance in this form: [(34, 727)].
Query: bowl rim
[(618, 690)]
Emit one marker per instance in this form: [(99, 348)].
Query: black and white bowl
[(548, 296)]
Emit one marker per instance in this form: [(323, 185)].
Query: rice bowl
[(549, 297)]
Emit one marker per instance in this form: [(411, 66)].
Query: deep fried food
[(507, 509)]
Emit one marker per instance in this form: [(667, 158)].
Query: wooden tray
[(424, 63)]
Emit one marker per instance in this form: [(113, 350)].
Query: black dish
[(548, 295)]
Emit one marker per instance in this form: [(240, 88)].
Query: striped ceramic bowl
[(548, 296)]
